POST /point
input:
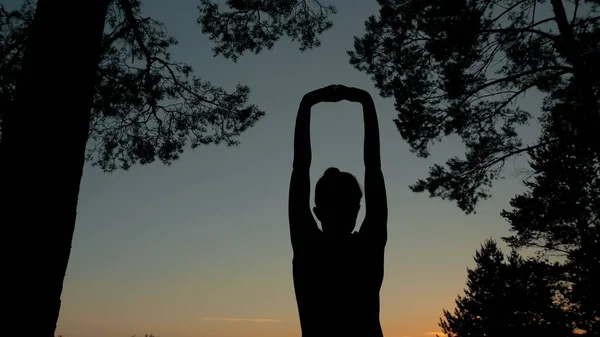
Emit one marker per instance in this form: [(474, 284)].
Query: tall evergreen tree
[(508, 297), (560, 212)]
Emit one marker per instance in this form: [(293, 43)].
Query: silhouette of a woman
[(338, 273)]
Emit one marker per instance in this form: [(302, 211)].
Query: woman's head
[(337, 199)]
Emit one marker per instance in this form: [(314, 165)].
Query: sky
[(201, 248)]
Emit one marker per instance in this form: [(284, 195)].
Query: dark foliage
[(509, 297), (560, 213), (146, 106), (252, 25), (459, 67)]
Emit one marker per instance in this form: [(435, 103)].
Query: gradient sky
[(201, 248)]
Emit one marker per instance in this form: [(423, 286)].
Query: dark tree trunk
[(42, 156), (573, 53)]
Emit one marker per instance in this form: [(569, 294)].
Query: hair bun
[(331, 171)]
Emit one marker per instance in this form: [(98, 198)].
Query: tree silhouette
[(512, 297), (146, 105), (458, 67), (103, 73), (561, 211), (252, 25)]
